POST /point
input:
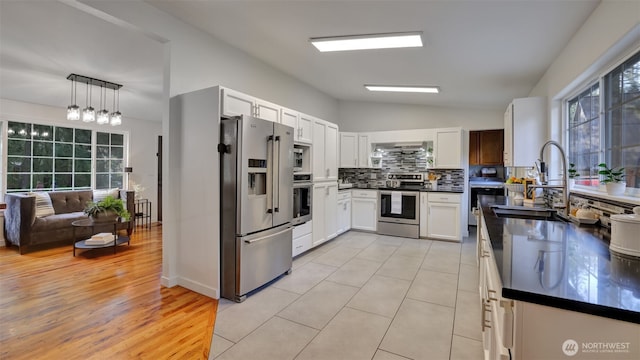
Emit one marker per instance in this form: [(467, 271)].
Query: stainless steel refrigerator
[(256, 203)]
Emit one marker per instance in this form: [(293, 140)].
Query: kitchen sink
[(524, 212)]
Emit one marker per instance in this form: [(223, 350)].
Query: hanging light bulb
[(116, 116), (88, 113), (73, 111), (103, 115)]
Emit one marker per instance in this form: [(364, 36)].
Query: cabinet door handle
[(486, 308), (492, 298)]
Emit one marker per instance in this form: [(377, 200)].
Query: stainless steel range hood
[(401, 146)]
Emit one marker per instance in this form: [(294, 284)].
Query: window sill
[(603, 195)]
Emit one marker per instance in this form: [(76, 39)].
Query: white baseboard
[(169, 281), (199, 288)]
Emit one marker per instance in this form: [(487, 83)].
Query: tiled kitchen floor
[(361, 296)]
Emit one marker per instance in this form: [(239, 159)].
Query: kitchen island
[(552, 288)]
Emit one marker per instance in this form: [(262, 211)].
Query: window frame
[(4, 122)]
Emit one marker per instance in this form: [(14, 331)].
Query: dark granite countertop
[(396, 189), (563, 265)]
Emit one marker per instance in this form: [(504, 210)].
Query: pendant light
[(73, 111), (103, 115), (88, 113), (116, 116)]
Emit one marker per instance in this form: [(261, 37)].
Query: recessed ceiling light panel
[(367, 42), (404, 88)]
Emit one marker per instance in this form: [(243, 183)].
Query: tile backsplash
[(450, 179)]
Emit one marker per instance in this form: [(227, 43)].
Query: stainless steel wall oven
[(302, 198)]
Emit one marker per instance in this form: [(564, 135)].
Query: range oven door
[(302, 199), (402, 207)]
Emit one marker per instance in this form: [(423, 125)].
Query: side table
[(142, 214), (95, 228)]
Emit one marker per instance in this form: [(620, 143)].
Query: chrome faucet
[(543, 170)]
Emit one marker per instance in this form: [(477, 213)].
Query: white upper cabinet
[(448, 148), (524, 131), (235, 103), (364, 151), (266, 110), (324, 151), (305, 128), (348, 150), (290, 118)]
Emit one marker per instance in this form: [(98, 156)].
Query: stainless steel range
[(399, 205)]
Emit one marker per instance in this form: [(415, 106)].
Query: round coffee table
[(110, 226)]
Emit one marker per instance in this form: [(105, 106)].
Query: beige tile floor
[(361, 296)]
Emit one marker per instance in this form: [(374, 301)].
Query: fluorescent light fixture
[(403, 88), (366, 42)]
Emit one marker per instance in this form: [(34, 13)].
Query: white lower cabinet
[(424, 211), (364, 209), (443, 216), (323, 208), (302, 238), (344, 211)]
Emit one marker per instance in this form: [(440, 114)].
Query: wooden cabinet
[(524, 131), (424, 211), (325, 220), (443, 216), (486, 147), (325, 150), (344, 211), (348, 150), (364, 209), (448, 148)]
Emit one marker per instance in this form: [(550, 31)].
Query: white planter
[(616, 189), (572, 183)]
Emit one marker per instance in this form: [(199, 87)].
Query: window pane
[(631, 78), (117, 152), (116, 181), (64, 165), (41, 181), (18, 164), (631, 160), (19, 130), (43, 132), (631, 123), (117, 166), (82, 181), (83, 151), (102, 181), (64, 134), (41, 148), (41, 165), (63, 181), (19, 147), (19, 181), (102, 166), (83, 136), (102, 152), (117, 139), (102, 138), (64, 150), (82, 166)]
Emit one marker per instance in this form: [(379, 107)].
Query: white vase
[(572, 183), (616, 188)]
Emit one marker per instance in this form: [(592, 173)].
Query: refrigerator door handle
[(267, 236), (270, 174), (276, 175)]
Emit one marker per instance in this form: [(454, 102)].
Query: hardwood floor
[(99, 305)]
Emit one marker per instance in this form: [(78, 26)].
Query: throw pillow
[(103, 193), (43, 204)]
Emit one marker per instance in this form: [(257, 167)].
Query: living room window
[(604, 125), (47, 158)]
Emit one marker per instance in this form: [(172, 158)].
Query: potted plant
[(573, 174), (107, 209), (613, 179)]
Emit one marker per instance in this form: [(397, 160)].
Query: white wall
[(142, 138), (365, 116)]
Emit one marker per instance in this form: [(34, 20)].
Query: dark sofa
[(24, 229)]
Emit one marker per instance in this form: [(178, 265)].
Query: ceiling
[(481, 53), (42, 42)]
